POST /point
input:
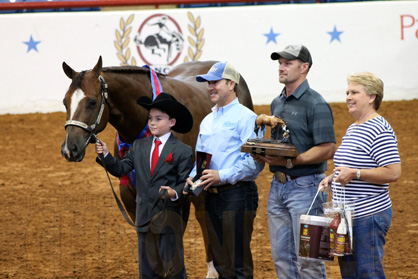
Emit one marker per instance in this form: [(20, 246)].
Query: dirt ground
[(60, 220)]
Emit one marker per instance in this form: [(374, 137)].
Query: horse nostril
[(74, 149)]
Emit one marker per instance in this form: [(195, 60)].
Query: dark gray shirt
[(310, 121)]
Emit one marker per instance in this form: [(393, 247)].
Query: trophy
[(202, 163), (265, 146)]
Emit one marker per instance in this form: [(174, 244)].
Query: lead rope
[(122, 209)]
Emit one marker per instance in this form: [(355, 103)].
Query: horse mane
[(130, 70), (118, 70)]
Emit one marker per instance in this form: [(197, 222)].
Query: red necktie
[(155, 155)]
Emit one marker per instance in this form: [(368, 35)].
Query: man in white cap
[(295, 180), (232, 197)]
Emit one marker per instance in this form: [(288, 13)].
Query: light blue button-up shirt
[(221, 134)]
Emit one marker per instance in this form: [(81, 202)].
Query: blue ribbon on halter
[(156, 90)]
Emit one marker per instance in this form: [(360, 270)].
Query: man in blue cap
[(232, 197)]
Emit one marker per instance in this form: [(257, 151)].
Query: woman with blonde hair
[(365, 163)]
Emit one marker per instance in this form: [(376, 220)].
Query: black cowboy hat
[(168, 104)]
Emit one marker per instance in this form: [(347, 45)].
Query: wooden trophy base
[(269, 147)]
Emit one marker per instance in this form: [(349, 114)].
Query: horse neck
[(128, 118)]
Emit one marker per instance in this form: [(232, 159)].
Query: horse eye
[(92, 103), (64, 103)]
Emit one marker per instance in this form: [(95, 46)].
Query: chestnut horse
[(108, 95)]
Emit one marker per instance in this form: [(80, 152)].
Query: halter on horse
[(92, 129), (116, 89)]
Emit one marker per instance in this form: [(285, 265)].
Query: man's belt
[(282, 178), (226, 187)]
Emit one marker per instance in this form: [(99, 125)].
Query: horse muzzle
[(73, 152)]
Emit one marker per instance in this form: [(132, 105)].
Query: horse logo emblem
[(159, 40)]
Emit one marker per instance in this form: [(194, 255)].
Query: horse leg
[(168, 52), (127, 192), (155, 53), (185, 211), (200, 213), (128, 196)]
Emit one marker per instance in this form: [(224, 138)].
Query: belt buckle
[(213, 190), (281, 177)]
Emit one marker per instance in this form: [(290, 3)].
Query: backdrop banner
[(343, 38)]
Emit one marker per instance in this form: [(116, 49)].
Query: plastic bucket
[(314, 241)]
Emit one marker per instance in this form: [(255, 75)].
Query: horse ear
[(68, 70), (98, 68)]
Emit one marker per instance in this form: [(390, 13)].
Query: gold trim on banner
[(122, 41)]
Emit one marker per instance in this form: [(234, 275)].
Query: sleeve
[(385, 149), (245, 169), (323, 124), (118, 168)]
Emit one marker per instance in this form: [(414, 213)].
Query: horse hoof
[(212, 273)]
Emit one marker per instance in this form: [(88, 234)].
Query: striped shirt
[(366, 146)]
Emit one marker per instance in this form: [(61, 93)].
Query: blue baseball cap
[(220, 70)]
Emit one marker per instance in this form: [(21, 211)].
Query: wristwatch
[(289, 164), (358, 174)]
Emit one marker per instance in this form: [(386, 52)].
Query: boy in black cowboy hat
[(162, 163)]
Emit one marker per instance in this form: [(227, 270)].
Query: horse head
[(87, 110)]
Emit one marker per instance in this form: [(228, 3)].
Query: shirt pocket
[(231, 138), (205, 139)]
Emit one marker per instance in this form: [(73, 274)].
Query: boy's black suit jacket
[(171, 170)]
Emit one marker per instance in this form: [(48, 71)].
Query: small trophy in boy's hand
[(202, 163)]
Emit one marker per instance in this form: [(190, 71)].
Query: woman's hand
[(345, 175), (325, 184)]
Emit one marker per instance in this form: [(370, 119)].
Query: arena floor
[(60, 220)]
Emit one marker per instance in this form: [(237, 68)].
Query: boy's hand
[(101, 148), (188, 182), (171, 193)]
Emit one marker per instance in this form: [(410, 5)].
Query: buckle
[(280, 177), (213, 190)]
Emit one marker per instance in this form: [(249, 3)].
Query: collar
[(163, 138), (224, 108), (298, 92)]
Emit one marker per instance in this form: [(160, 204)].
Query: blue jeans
[(230, 225), (369, 238), (286, 203)]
